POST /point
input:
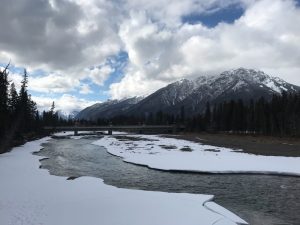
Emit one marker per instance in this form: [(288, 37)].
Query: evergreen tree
[(52, 108), (207, 116), (3, 101), (18, 113), (13, 99), (182, 114)]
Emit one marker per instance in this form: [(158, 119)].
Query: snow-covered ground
[(30, 196), (174, 154)]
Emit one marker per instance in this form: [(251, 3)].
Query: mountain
[(192, 95), (65, 115), (107, 109), (236, 84), (165, 98)]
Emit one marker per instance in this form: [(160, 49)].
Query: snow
[(67, 115), (30, 196), (239, 85), (271, 85), (63, 133), (178, 91), (119, 133), (229, 215), (181, 155)]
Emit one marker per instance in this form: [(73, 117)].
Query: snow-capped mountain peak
[(241, 77), (67, 115)]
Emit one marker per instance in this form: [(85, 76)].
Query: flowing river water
[(259, 199)]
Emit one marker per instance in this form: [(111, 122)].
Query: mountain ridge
[(193, 94), (107, 109)]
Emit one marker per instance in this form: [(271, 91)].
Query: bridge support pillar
[(109, 132)]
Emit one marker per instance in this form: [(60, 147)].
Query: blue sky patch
[(118, 63), (101, 93), (214, 17), (13, 68), (20, 70)]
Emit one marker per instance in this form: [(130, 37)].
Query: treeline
[(278, 117), (19, 117)]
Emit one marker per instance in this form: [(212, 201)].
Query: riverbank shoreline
[(32, 196), (258, 145), (23, 139)]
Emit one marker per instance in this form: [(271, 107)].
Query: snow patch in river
[(180, 155)]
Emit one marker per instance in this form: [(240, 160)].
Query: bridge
[(133, 128)]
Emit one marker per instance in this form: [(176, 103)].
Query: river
[(259, 199)]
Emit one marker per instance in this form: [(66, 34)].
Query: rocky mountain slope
[(107, 109)]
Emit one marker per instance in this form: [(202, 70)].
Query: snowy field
[(180, 155), (30, 196)]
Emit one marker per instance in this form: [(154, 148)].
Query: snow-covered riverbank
[(180, 155), (29, 195)]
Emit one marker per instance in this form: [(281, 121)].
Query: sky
[(79, 52)]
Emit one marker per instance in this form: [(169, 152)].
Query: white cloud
[(170, 12), (134, 84), (61, 37), (85, 89), (266, 37), (66, 103), (53, 83), (100, 74), (15, 78), (66, 37)]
